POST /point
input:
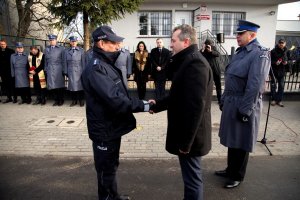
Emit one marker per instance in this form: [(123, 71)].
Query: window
[(226, 22), (155, 23)]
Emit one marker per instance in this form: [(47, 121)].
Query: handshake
[(149, 106)]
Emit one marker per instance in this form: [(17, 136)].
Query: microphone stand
[(264, 139)]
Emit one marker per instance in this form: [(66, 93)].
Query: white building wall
[(129, 26)]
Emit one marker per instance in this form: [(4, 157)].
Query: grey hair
[(187, 31)]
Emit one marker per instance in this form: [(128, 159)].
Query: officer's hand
[(243, 118), (221, 107)]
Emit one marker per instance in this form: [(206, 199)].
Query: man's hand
[(151, 102), (183, 152), (32, 72), (208, 47), (243, 118), (158, 68)]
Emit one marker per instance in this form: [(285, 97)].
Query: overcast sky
[(289, 11)]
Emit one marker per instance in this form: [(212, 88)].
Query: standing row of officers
[(48, 70), (41, 71)]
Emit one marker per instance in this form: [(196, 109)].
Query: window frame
[(162, 16), (221, 28)]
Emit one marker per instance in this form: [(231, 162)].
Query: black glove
[(221, 107), (243, 118)]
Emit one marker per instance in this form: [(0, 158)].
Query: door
[(183, 17)]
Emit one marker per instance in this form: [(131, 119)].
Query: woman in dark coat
[(141, 68)]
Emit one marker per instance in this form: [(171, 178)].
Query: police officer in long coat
[(54, 68), (20, 71), (124, 63), (241, 102), (74, 65)]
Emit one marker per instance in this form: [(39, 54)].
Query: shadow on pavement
[(268, 178)]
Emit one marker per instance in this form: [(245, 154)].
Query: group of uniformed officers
[(42, 71)]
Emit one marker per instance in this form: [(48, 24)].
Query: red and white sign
[(203, 17)]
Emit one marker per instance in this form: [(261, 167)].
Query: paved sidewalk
[(46, 130)]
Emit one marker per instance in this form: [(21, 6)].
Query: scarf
[(110, 57), (141, 59)]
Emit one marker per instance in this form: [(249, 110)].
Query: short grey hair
[(187, 31)]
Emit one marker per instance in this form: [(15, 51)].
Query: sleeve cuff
[(146, 106)]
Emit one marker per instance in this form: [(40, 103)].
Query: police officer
[(108, 109), (74, 65), (54, 68), (20, 71), (124, 63), (241, 102)]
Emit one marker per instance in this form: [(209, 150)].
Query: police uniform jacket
[(108, 106), (5, 71), (159, 59), (54, 67), (124, 63), (189, 104), (74, 65), (20, 69), (245, 78)]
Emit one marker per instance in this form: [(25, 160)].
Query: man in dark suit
[(160, 57), (189, 109), (8, 84)]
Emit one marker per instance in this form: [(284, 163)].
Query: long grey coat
[(74, 65), (20, 69), (54, 66), (124, 63), (245, 80)]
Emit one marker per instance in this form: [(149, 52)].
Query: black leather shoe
[(73, 103), (36, 102), (43, 102), (221, 173), (81, 103), (15, 101), (60, 103), (7, 101), (55, 103), (123, 197), (232, 184)]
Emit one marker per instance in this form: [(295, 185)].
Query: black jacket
[(212, 58), (108, 106), (189, 104), (159, 59), (5, 55), (278, 54)]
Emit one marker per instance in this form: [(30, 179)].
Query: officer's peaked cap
[(244, 25), (106, 33)]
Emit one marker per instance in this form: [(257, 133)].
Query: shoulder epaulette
[(264, 48)]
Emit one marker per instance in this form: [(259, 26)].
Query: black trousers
[(8, 87), (58, 95), (160, 88), (77, 95), (40, 92), (217, 81), (24, 92), (141, 87), (237, 160), (106, 157)]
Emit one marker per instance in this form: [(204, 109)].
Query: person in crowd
[(36, 74), (210, 52), (124, 63), (141, 68), (241, 101), (54, 68), (74, 65), (8, 84), (160, 57), (19, 71), (188, 108), (108, 109), (279, 63)]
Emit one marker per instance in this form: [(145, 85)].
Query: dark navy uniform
[(108, 111)]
